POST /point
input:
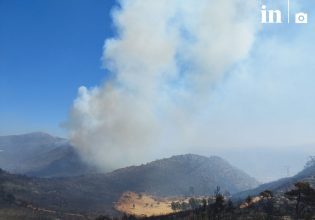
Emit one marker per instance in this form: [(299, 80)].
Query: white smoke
[(166, 58)]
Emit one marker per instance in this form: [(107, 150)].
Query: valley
[(159, 188)]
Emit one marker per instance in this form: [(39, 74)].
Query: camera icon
[(301, 18)]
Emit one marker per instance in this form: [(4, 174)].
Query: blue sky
[(47, 50)]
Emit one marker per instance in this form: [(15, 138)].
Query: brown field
[(144, 205)]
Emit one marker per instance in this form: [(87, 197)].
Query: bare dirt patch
[(141, 204)]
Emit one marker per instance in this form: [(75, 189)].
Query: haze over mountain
[(269, 164), (40, 154), (282, 185), (44, 155)]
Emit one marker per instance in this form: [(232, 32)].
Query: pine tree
[(304, 195)]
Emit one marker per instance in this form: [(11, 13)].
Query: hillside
[(282, 185), (97, 193), (40, 154), (183, 175)]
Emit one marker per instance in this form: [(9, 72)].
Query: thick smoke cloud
[(167, 57)]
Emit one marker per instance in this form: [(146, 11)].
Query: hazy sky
[(261, 93)]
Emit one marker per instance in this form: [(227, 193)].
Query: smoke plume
[(164, 62)]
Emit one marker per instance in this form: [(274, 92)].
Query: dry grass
[(253, 201), (143, 204)]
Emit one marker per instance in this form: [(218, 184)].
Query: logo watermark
[(275, 16)]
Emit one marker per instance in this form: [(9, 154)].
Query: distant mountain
[(40, 154), (65, 162), (282, 185), (97, 193)]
